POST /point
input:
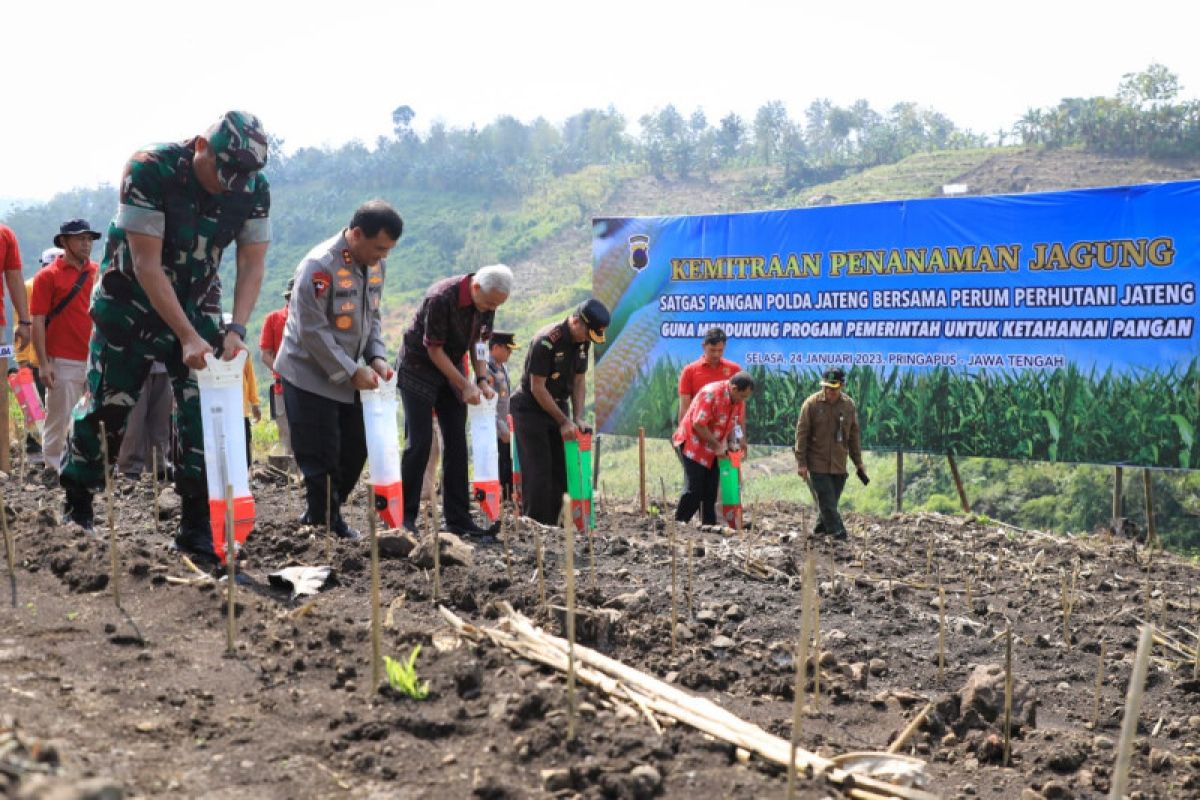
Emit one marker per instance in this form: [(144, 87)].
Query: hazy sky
[(86, 83)]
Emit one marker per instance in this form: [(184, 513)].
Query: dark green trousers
[(117, 371), (829, 491)]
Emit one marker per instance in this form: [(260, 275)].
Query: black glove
[(862, 476)]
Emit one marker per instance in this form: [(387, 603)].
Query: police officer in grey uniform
[(332, 348), (500, 348), (554, 374)]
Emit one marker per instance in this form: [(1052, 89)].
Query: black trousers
[(700, 485), (332, 445), (506, 478), (418, 437), (828, 488), (543, 466)]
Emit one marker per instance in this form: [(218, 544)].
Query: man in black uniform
[(554, 372)]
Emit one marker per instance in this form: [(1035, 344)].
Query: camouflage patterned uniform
[(160, 196)]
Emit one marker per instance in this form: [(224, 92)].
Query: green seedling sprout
[(402, 676)]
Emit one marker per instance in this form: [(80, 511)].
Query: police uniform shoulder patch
[(546, 343), (320, 283)]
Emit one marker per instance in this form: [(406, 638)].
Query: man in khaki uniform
[(826, 433)]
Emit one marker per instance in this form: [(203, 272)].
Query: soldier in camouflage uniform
[(158, 298)]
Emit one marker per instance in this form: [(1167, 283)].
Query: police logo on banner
[(639, 251)]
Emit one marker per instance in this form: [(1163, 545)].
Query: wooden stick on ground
[(909, 729), (517, 634), (328, 518), (1099, 685)]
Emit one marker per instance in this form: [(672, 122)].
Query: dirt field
[(142, 699)]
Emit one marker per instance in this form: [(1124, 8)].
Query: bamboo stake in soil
[(1100, 684), (541, 566), (941, 630), (154, 482), (669, 523), (801, 658), (10, 552), (231, 571), (899, 481), (1133, 705), (22, 436), (376, 627), (816, 628), (1196, 663), (642, 469), (504, 529), (1008, 694), (113, 557), (569, 535), (691, 576), (436, 535), (328, 518)]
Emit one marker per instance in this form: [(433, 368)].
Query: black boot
[(78, 508), (195, 532)]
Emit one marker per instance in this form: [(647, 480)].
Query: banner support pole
[(962, 493), (899, 481)]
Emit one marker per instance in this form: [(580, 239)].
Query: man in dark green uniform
[(554, 374), (158, 298)]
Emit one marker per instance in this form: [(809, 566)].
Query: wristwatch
[(480, 379), (240, 330)]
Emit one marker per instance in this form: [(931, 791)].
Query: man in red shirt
[(10, 265), (712, 366), (268, 348), (706, 432), (62, 293)]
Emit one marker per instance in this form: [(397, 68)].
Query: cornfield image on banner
[(1056, 326)]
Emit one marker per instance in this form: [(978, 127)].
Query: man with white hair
[(450, 329)]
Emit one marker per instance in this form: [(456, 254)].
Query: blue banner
[(965, 310)]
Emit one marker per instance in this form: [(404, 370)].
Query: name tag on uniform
[(480, 351)]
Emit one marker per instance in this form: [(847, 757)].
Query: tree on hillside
[(730, 137), (769, 129)]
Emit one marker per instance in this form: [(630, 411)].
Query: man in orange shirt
[(61, 329), (268, 348), (27, 357)]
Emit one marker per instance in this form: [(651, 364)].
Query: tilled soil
[(144, 699)]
